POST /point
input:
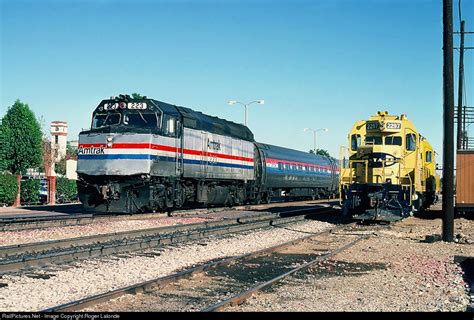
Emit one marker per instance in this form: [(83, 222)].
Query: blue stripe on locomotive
[(160, 158)]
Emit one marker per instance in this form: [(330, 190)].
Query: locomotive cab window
[(169, 126), (355, 142), (429, 156), (373, 140), (411, 142), (393, 141), (142, 120), (105, 119)]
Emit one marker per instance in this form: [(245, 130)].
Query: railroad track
[(37, 222), (187, 285), (31, 255)]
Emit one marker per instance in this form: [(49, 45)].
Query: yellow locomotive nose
[(387, 168)]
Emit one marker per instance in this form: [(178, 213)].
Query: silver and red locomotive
[(145, 155)]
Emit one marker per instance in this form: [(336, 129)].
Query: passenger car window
[(280, 166)]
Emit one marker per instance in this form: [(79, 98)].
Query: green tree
[(71, 152), (320, 152), (20, 136), (137, 96), (60, 167)]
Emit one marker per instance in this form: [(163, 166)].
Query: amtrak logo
[(91, 150), (214, 145)]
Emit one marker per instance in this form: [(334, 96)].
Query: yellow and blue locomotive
[(388, 171)]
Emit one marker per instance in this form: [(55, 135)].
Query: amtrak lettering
[(214, 145), (90, 150)]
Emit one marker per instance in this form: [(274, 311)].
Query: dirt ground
[(405, 267)]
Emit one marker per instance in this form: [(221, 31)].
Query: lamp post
[(232, 102), (314, 135)]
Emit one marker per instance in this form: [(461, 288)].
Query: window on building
[(56, 139)]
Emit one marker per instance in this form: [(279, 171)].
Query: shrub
[(30, 190), (66, 190), (8, 189)]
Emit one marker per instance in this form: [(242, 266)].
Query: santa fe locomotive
[(144, 155), (390, 169)]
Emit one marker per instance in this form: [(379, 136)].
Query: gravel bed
[(8, 238), (46, 289), (395, 271)]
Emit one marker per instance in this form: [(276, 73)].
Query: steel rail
[(67, 250), (36, 222), (165, 280), (241, 297), (17, 249)]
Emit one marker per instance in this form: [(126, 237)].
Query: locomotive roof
[(282, 153), (197, 120), (200, 121), (193, 119)]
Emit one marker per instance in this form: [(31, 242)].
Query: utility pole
[(448, 123), (461, 124)]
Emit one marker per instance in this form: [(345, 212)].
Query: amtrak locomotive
[(146, 155)]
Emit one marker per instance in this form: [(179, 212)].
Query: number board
[(372, 125), (393, 126), (137, 105), (111, 106)]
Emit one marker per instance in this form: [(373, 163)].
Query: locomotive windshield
[(105, 119), (141, 120), (132, 119)]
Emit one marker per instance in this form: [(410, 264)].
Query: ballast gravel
[(95, 276), (8, 238)]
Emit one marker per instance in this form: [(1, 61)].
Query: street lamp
[(314, 132), (232, 102)]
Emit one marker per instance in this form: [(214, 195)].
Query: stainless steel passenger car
[(292, 173)]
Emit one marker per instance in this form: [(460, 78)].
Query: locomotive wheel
[(268, 197)]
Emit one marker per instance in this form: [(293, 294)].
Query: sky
[(317, 64)]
